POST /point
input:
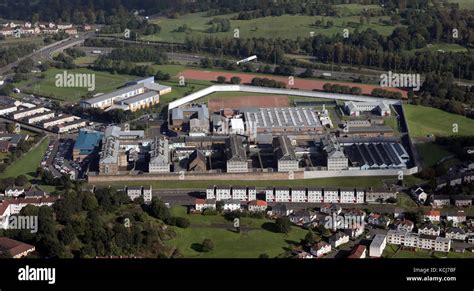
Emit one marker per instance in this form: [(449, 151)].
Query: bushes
[(207, 245), (180, 222)]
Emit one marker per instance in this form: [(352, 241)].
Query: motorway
[(45, 53)]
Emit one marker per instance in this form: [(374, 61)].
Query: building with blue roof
[(87, 143)]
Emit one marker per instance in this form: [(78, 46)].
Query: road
[(45, 53)]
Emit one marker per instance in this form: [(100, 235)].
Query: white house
[(404, 225), (202, 204), (377, 245), (269, 196), (339, 238), (348, 196), (455, 233), (210, 192), (257, 205), (14, 191), (420, 195), (331, 195), (239, 193), (432, 215), (320, 249), (429, 229), (298, 194), (223, 193), (315, 195), (457, 217), (252, 193), (231, 205), (282, 194)]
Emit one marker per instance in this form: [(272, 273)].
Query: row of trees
[(11, 54), (343, 89)]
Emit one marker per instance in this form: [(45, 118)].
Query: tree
[(159, 210), (283, 224), (235, 80), (21, 180), (207, 245), (221, 79), (11, 127), (182, 222), (311, 238)]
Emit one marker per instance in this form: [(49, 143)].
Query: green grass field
[(28, 163), (227, 243), (289, 26), (441, 47), (12, 41), (104, 83), (425, 121), (431, 153), (464, 4)]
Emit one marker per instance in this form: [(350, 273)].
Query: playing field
[(255, 239), (218, 103), (46, 86), (424, 121), (27, 164), (302, 84), (285, 26)]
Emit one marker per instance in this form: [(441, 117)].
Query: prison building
[(284, 153), (141, 101), (159, 156), (355, 108), (282, 120), (28, 112), (39, 117), (59, 120), (365, 156), (70, 126), (236, 155)]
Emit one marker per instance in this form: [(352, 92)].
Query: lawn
[(431, 153), (12, 41), (104, 82), (464, 4), (227, 243), (425, 121), (289, 26), (28, 163)]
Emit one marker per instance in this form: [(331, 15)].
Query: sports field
[(303, 84), (27, 164), (424, 121), (44, 84), (218, 103)]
